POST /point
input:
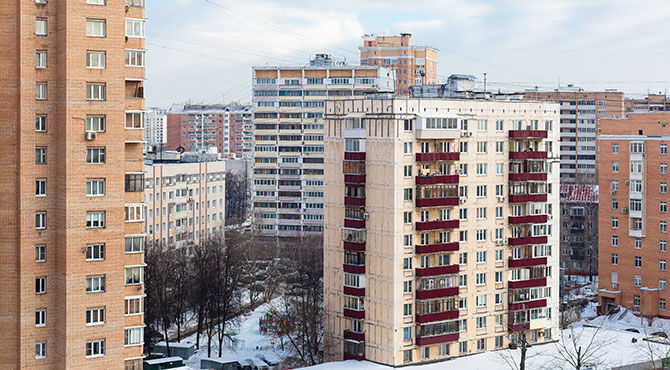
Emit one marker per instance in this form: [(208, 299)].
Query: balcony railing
[(527, 155), (351, 201), (356, 292), (356, 247), (521, 134), (432, 157), (358, 337), (354, 179), (424, 341), (524, 198), (528, 305), (527, 177), (354, 314), (526, 262), (353, 269), (354, 156), (437, 293), (531, 283), (440, 179), (439, 270), (437, 202), (527, 240), (437, 225), (354, 223), (437, 248), (530, 219), (439, 316)]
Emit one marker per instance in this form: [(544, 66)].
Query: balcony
[(354, 156), (524, 198), (437, 293), (432, 157), (528, 305), (351, 201), (437, 225), (531, 219), (424, 341), (356, 247), (353, 269), (354, 314), (439, 270), (531, 283), (514, 328), (358, 337), (442, 179), (527, 177), (436, 248), (527, 134), (439, 316), (354, 223), (354, 179), (526, 262), (527, 240), (356, 292), (437, 202), (527, 155)]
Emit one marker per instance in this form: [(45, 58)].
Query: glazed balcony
[(439, 270), (527, 240), (528, 305), (432, 157), (542, 176), (356, 292), (353, 269), (354, 156), (440, 179), (437, 225), (531, 283), (351, 201), (514, 328), (526, 262), (526, 198), (424, 341), (437, 293), (437, 202), (530, 219), (356, 247), (437, 248), (354, 314), (358, 337), (527, 134), (354, 223), (439, 316), (354, 179), (527, 155)]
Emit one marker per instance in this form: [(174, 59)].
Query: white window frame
[(96, 284), (41, 26), (40, 220), (95, 187), (133, 115), (41, 318), (98, 153), (95, 348), (41, 91), (96, 123), (96, 27), (132, 243), (136, 57), (133, 336), (95, 252), (134, 212), (96, 316), (129, 302), (133, 271), (40, 59), (41, 350), (96, 59), (96, 219), (132, 29), (96, 91)]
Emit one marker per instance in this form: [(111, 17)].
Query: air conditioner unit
[(366, 215), (626, 182), (624, 210), (469, 133), (549, 217), (464, 133), (501, 198), (462, 200), (91, 135)]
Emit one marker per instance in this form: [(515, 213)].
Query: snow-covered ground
[(626, 319)]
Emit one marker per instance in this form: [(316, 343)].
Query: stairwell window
[(41, 59), (41, 26), (41, 91), (96, 91), (40, 220), (96, 28), (135, 28), (41, 123)]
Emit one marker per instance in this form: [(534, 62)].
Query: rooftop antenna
[(484, 85)]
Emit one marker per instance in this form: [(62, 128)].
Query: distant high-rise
[(156, 127), (414, 65), (650, 103), (71, 227)]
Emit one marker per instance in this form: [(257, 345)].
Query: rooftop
[(579, 193)]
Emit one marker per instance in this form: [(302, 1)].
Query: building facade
[(650, 103), (72, 107), (580, 112), (441, 227), (413, 65), (287, 189), (633, 218), (155, 127), (579, 229), (185, 201), (199, 127)]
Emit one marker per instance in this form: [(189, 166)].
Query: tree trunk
[(197, 334)]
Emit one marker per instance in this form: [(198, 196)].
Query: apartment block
[(413, 65), (287, 189), (633, 214), (580, 112), (441, 227), (579, 229), (199, 127), (72, 109), (155, 127), (650, 103)]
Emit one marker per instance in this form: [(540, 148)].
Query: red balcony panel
[(349, 356), (527, 155), (437, 225), (356, 247), (528, 305), (429, 180), (439, 270), (354, 156), (437, 202), (424, 341), (532, 283), (350, 201), (354, 269), (531, 219), (439, 316), (525, 262), (436, 293), (511, 328), (353, 314), (520, 134), (354, 223), (359, 337), (436, 248), (356, 292), (354, 179), (431, 157), (523, 198), (527, 177), (527, 240)]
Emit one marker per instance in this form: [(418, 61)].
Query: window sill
[(96, 324), (94, 356)]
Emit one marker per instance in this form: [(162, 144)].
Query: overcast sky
[(203, 50)]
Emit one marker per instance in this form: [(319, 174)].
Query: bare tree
[(159, 280), (520, 340), (180, 290), (581, 347), (237, 196)]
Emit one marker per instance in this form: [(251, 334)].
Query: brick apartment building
[(413, 65), (579, 229), (441, 227), (196, 127), (71, 229), (633, 214), (650, 103)]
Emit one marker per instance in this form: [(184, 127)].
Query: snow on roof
[(163, 360), (176, 345), (579, 193)]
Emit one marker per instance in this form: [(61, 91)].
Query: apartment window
[(615, 241), (41, 59), (637, 280), (463, 347), (462, 236), (498, 277), (95, 252), (40, 187), (663, 226), (95, 348), (481, 191), (463, 169), (662, 245), (408, 194), (41, 285), (481, 344), (638, 243), (134, 120), (95, 123), (615, 223), (407, 333), (95, 316), (95, 59), (406, 354), (407, 286), (663, 188), (95, 155), (407, 263), (463, 147), (638, 262), (425, 353), (135, 28), (41, 91), (481, 278), (134, 275), (500, 125), (407, 216), (661, 284), (444, 349), (663, 207), (407, 240), (134, 244), (615, 148), (40, 220), (661, 265), (408, 148), (134, 336), (135, 58), (134, 213), (499, 255), (134, 182), (96, 28), (408, 171), (615, 259), (41, 123), (40, 253), (41, 318), (664, 149), (500, 169), (95, 187), (40, 350), (407, 309), (41, 26), (134, 305), (636, 300), (95, 2), (135, 3), (95, 219), (96, 91), (481, 168), (480, 300), (615, 166), (481, 235), (95, 284), (481, 147), (664, 168)]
